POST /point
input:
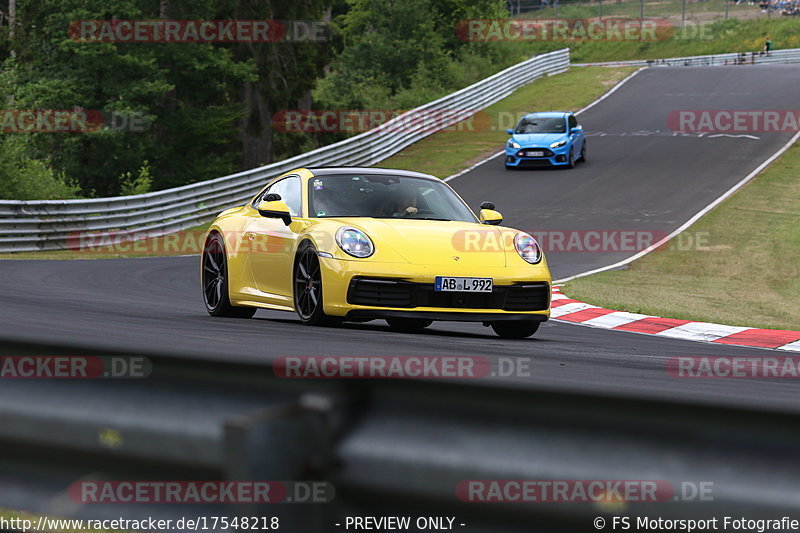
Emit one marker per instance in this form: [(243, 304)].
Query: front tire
[(408, 325), (571, 160), (215, 281), (308, 287), (582, 157), (515, 330)]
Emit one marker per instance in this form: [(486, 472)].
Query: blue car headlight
[(514, 145), (558, 144), (354, 242)]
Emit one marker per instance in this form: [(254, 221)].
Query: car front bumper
[(552, 156), (519, 292)]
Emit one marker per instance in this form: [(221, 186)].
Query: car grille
[(533, 163), (524, 151), (533, 296)]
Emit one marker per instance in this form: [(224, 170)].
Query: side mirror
[(510, 132), (275, 209), (576, 129), (491, 217)]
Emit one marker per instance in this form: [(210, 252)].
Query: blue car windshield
[(542, 125), (384, 196)]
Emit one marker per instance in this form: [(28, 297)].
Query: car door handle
[(251, 236)]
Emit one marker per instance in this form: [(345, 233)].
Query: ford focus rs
[(358, 244), (546, 139)]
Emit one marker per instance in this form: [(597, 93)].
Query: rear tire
[(215, 281), (408, 325), (515, 330)]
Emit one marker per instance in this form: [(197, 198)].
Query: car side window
[(573, 122), (289, 189)]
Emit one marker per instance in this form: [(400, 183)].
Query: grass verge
[(744, 271), (732, 35), (462, 145)]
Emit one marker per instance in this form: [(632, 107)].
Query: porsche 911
[(358, 244)]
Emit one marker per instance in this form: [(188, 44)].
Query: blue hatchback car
[(553, 138)]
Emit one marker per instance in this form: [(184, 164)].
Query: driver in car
[(406, 203), (401, 204)]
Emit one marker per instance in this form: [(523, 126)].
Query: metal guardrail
[(791, 55), (386, 445), (52, 224)]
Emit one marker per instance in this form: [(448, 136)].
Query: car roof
[(332, 171), (547, 114)]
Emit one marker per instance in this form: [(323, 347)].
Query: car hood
[(537, 139), (436, 242)]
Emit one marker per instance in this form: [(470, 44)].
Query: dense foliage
[(206, 109)]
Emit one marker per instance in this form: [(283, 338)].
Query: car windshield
[(542, 125), (384, 196)]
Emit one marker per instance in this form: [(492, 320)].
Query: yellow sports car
[(359, 244)]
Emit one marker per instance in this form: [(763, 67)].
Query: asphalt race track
[(639, 177)]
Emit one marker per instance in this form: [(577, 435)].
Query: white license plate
[(449, 284), (534, 154)]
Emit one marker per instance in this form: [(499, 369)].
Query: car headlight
[(354, 242), (527, 248), (558, 144), (512, 144)]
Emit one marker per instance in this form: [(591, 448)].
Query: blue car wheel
[(571, 160)]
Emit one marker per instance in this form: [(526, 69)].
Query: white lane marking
[(692, 220), (498, 154), (740, 136), (570, 308), (612, 320), (792, 347), (701, 331), (473, 167)]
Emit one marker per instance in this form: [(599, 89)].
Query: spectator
[(768, 46)]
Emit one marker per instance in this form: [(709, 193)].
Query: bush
[(24, 178), (141, 184)]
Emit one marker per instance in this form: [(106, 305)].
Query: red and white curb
[(568, 310)]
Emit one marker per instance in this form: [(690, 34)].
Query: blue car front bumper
[(537, 156)]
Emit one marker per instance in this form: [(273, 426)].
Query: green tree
[(406, 52), (182, 90)]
